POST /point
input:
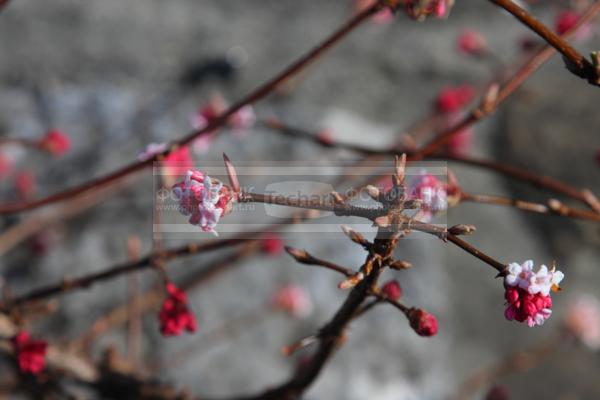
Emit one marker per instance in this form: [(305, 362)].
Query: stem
[(338, 209), (563, 210)]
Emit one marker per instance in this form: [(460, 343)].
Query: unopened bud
[(351, 281), (300, 255), (337, 198), (400, 167), (232, 174), (392, 290), (373, 192), (557, 207), (462, 229), (422, 322), (490, 98), (400, 265), (355, 236), (382, 222)]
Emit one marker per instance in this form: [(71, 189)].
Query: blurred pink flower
[(293, 300), (454, 98), (582, 320), (471, 42)]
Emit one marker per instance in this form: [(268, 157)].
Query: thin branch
[(258, 94), (576, 63), (521, 174), (508, 87), (338, 209), (552, 207), (68, 285)]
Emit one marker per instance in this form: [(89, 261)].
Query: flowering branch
[(576, 63)]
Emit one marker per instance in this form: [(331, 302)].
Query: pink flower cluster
[(527, 293), (433, 193), (175, 315), (293, 300), (203, 199), (30, 353)]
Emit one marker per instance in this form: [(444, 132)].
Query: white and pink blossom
[(527, 292), (203, 199)]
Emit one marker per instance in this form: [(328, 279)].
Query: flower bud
[(399, 265), (392, 290), (351, 281), (423, 323), (462, 229), (301, 256)]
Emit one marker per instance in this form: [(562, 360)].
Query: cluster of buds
[(30, 353), (55, 142), (175, 315), (527, 293), (435, 195), (203, 199), (239, 122), (293, 300)]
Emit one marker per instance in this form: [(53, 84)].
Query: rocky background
[(115, 75)]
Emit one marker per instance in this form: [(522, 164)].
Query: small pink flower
[(272, 245), (392, 290), (293, 300), (471, 42), (203, 199), (454, 98), (432, 192), (30, 354), (56, 142), (175, 315), (6, 166), (25, 184), (582, 320), (422, 322)]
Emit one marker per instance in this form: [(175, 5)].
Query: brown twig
[(576, 63), (553, 207), (256, 95)]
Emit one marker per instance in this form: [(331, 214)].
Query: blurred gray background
[(110, 74)]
